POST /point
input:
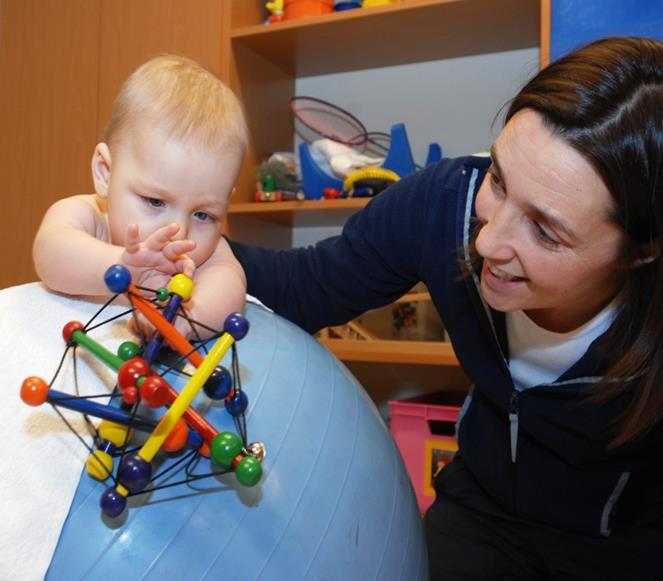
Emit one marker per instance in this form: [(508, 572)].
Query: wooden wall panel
[(133, 31), (48, 103), (61, 64)]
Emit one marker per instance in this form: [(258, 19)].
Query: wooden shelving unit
[(394, 34), (401, 33), (304, 212), (261, 63), (417, 352)]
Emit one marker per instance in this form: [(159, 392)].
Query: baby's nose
[(183, 232)]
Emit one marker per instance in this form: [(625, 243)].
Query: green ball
[(127, 350), (162, 294), (224, 448), (249, 471)]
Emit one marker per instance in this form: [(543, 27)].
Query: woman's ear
[(647, 253), (101, 169)]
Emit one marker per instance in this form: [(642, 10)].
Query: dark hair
[(606, 101)]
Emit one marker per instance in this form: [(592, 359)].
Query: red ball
[(131, 371), (130, 395), (34, 390), (69, 329), (154, 391)]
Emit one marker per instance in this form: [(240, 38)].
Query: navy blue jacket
[(542, 453)]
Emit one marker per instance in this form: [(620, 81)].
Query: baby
[(163, 176)]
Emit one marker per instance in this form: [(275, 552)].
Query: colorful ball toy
[(326, 497)]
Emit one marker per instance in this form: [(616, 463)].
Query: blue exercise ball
[(334, 502)]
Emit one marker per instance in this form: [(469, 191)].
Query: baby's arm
[(219, 289), (72, 249)]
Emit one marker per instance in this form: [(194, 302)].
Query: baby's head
[(184, 100), (171, 152)]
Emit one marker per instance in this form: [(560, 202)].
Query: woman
[(543, 262)]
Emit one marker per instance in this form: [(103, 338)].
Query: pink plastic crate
[(423, 428)]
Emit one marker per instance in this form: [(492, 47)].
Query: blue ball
[(135, 473), (237, 404), (117, 278), (112, 503), (236, 325), (219, 384)]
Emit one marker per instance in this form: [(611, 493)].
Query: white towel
[(40, 459)]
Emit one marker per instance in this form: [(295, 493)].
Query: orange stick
[(184, 348), (168, 332)]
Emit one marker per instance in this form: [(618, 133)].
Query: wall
[(577, 22)]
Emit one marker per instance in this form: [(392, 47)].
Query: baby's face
[(155, 181)]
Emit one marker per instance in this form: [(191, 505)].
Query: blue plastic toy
[(399, 159)]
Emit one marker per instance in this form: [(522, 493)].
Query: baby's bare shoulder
[(222, 254), (85, 211)]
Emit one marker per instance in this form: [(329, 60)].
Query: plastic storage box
[(424, 430)]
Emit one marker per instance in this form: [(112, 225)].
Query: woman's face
[(547, 240)]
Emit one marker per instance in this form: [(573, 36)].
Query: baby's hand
[(158, 252)]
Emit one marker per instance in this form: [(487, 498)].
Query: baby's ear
[(101, 169)]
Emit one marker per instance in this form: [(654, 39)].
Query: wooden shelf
[(300, 213), (395, 34), (414, 352)]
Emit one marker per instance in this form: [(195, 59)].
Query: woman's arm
[(375, 260)]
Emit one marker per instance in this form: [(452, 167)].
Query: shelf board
[(415, 352), (395, 34), (300, 213)]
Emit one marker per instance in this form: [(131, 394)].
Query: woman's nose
[(494, 240)]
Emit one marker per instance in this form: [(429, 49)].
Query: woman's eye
[(495, 180), (543, 235)]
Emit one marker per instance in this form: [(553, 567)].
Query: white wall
[(451, 101)]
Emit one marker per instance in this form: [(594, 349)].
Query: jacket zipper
[(513, 424), (513, 402)]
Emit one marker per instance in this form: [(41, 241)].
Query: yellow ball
[(99, 465), (181, 285), (116, 434)]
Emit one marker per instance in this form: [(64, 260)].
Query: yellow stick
[(183, 401)]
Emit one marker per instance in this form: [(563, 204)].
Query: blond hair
[(184, 99)]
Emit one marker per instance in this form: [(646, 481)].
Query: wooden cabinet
[(61, 65), (262, 63), (48, 69)]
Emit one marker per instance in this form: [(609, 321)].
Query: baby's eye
[(155, 202), (203, 216)]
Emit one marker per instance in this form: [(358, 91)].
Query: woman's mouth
[(503, 275), (499, 279)]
